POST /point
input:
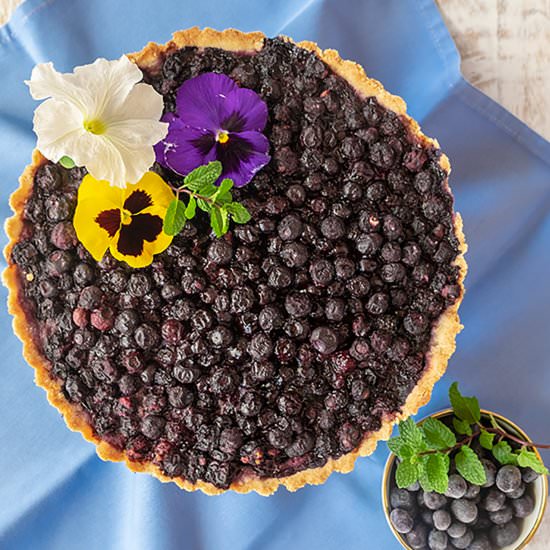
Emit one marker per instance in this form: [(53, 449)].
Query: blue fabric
[(56, 494)]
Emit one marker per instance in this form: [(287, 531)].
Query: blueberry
[(502, 516), (523, 506), (528, 475), (456, 529), (433, 500), (508, 478), (401, 520), (146, 336), (437, 540), (401, 498), (457, 487), (504, 535), (518, 492), (480, 542), (220, 252), (494, 500), (294, 254), (427, 517), (472, 491), (321, 272), (490, 472), (332, 228), (464, 510), (378, 303), (417, 537), (442, 520), (369, 243), (290, 227), (324, 340), (465, 540)]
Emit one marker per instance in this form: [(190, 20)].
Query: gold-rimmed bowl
[(529, 525)]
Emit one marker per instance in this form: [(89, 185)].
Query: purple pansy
[(216, 120)]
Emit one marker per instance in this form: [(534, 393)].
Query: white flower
[(100, 117)]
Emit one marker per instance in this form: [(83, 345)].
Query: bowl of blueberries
[(453, 482)]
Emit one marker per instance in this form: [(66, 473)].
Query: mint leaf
[(503, 453), (437, 435), (191, 208), (437, 471), (486, 439), (529, 459), (223, 195), (412, 435), (203, 175), (466, 408), (67, 162), (174, 220), (207, 190), (216, 222), (225, 220), (239, 214), (398, 447), (423, 478), (462, 427), (406, 474), (469, 466), (203, 205)]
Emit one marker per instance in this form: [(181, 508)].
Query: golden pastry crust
[(443, 334)]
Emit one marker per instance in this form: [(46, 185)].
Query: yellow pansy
[(126, 221)]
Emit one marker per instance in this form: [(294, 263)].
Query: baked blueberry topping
[(284, 343)]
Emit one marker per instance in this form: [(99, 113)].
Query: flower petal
[(159, 192), (141, 102), (187, 148), (200, 101), (246, 111), (243, 155), (94, 198), (47, 82), (108, 85), (58, 127)]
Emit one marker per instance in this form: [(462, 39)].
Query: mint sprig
[(424, 450), (216, 201)]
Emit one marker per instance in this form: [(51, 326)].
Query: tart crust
[(443, 333)]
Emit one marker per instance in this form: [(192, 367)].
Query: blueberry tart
[(234, 261)]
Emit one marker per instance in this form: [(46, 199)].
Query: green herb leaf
[(203, 205), (503, 453), (191, 208), (469, 466), (207, 190), (423, 478), (216, 222), (486, 439), (466, 408), (412, 435), (223, 195), (174, 220), (529, 459), (398, 447), (406, 474), (239, 214), (462, 427), (225, 220), (437, 471), (203, 175), (437, 435), (67, 162)]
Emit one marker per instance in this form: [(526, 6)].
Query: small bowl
[(530, 524)]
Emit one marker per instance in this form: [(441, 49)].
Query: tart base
[(443, 334)]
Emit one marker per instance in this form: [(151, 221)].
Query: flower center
[(222, 136), (126, 217), (95, 126)]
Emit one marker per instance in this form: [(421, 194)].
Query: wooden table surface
[(505, 49)]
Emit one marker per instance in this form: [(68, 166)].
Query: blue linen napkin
[(56, 494)]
